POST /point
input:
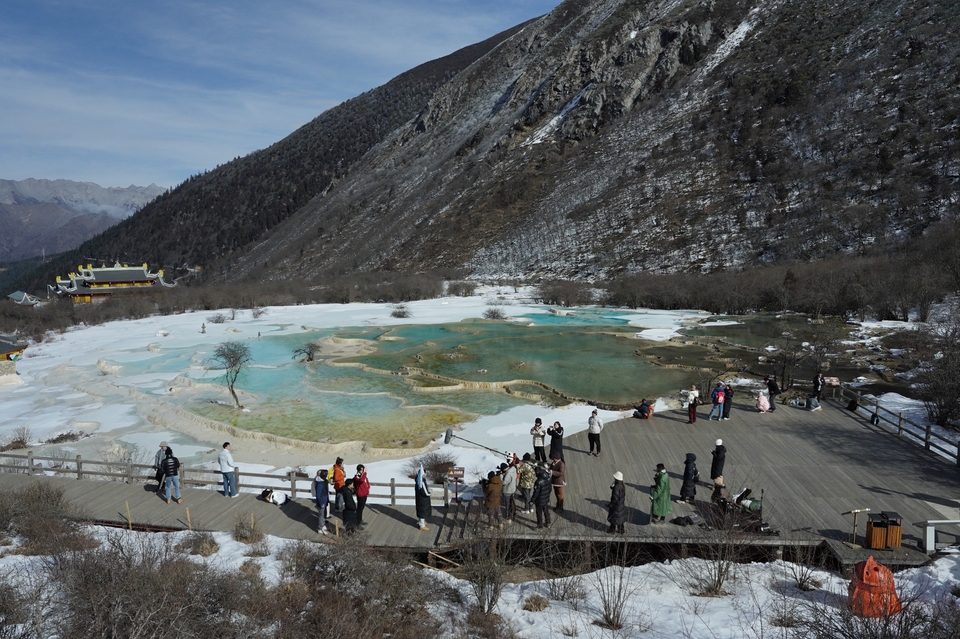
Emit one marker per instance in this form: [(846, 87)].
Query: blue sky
[(133, 92)]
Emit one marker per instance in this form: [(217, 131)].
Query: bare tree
[(232, 356), (307, 352)]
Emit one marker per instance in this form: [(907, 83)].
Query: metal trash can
[(876, 532), (894, 528)]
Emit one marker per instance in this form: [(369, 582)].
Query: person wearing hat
[(693, 400), (508, 473), (157, 459), (617, 511), (541, 496), (660, 496), (594, 426), (320, 491), (539, 432), (338, 475), (556, 440), (717, 397), (492, 491), (719, 459), (688, 489)]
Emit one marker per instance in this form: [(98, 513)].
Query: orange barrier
[(872, 591)]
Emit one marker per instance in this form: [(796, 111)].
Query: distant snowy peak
[(81, 197)]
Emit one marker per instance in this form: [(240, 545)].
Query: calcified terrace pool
[(407, 383)]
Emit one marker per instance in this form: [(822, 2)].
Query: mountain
[(607, 137), (53, 216)]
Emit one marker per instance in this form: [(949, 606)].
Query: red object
[(361, 484), (872, 591)]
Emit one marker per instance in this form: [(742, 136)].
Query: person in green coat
[(660, 496)]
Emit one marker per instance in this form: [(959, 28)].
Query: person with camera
[(539, 432)]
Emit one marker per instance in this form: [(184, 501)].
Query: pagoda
[(10, 352), (97, 284)]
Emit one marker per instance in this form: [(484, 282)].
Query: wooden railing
[(922, 433), (293, 482)]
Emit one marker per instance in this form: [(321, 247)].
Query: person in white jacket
[(594, 426), (227, 469)]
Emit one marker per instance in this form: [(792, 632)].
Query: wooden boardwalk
[(811, 468)]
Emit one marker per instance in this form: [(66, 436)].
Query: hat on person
[(504, 466), (719, 442), (661, 467), (618, 476), (594, 411), (164, 444)]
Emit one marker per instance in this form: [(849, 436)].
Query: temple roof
[(9, 344), (24, 299)]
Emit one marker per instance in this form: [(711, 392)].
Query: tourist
[(157, 459), (774, 390), (717, 398), (556, 440), (272, 496), (558, 478), (644, 410), (227, 469), (763, 404), (660, 496), (422, 499), (720, 492), (345, 495), (617, 510), (508, 473), (719, 459), (727, 401), (361, 488), (541, 496), (525, 482), (819, 382), (339, 477), (492, 490), (688, 489), (539, 432), (170, 466), (693, 400), (594, 426), (320, 490)]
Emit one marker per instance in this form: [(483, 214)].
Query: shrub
[(257, 312), (44, 520), (400, 310), (217, 318), (245, 528), (494, 313), (436, 464), (198, 542), (461, 289), (536, 603)]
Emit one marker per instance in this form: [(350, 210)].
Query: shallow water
[(590, 354)]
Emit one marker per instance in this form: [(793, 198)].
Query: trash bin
[(876, 532), (894, 528)]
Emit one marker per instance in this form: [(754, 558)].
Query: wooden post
[(129, 471), (446, 493), (926, 436), (236, 480), (292, 476), (393, 491), (129, 520), (79, 467), (29, 462), (900, 424)]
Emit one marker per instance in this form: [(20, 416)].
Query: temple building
[(10, 352), (97, 284), (24, 299)]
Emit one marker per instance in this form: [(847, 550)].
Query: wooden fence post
[(393, 491), (292, 476), (900, 424), (79, 467), (926, 436), (129, 471), (236, 480), (446, 493), (29, 462)]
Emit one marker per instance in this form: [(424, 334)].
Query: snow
[(659, 602)]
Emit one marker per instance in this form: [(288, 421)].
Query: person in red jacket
[(361, 488)]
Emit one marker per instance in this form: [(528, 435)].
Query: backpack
[(719, 398), (852, 405)]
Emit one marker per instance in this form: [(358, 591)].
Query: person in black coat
[(727, 401), (773, 390), (541, 496), (556, 441), (688, 489), (617, 510), (349, 506), (719, 458)]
